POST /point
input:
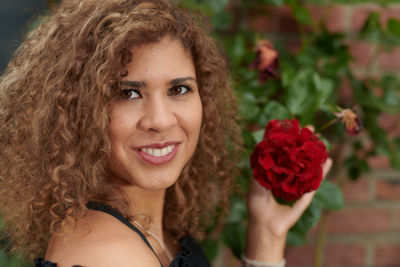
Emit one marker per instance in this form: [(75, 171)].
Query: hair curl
[(54, 103)]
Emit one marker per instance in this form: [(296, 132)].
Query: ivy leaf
[(329, 196)]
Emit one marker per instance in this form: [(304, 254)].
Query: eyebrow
[(174, 82)]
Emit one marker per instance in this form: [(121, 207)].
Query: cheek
[(196, 115), (120, 123)]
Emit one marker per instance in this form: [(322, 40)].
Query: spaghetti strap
[(116, 214)]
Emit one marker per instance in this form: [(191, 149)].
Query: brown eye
[(129, 94), (179, 90)]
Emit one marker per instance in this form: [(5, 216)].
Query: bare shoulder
[(100, 240)]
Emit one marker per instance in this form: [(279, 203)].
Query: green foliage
[(307, 89)]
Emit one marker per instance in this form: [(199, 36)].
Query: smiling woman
[(126, 97), (119, 139)]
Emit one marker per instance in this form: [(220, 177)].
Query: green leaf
[(372, 30), (329, 196), (258, 135), (308, 219), (234, 236), (297, 95), (324, 89), (210, 247), (238, 211), (295, 239), (356, 167), (248, 107), (302, 14), (393, 26), (273, 110), (273, 2)]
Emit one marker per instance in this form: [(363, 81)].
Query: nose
[(158, 115)]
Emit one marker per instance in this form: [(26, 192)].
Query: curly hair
[(55, 98)]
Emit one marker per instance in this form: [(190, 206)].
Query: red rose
[(288, 161)]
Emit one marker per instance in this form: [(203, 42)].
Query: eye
[(130, 94), (179, 90)]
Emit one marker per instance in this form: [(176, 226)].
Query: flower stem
[(320, 242), (328, 124)]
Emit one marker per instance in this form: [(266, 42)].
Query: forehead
[(166, 58)]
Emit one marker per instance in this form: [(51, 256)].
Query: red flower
[(266, 61), (288, 161)]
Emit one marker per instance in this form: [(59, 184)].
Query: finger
[(301, 205), (326, 167), (310, 127)]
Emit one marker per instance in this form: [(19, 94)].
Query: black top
[(190, 255)]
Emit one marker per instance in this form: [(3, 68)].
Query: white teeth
[(169, 149), (158, 152)]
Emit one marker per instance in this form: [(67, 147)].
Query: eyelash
[(128, 97)]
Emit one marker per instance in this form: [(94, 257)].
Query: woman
[(119, 135)]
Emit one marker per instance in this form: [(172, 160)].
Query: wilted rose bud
[(266, 61), (350, 119)]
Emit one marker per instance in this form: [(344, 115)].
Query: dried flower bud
[(351, 120), (266, 61)]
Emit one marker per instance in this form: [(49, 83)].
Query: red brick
[(362, 54), (334, 16), (345, 93), (299, 256), (387, 255), (228, 260), (356, 191), (359, 220), (262, 20), (390, 60), (391, 123), (293, 46), (388, 189), (272, 19), (379, 162), (344, 255), (361, 13), (286, 22)]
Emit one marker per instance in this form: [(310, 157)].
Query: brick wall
[(366, 232)]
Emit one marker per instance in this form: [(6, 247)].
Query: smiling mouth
[(156, 152)]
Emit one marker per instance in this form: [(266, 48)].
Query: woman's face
[(155, 122)]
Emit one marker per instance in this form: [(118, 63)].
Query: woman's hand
[(270, 221)]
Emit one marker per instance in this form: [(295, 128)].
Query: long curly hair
[(54, 112)]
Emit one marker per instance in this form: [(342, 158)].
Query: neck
[(147, 202)]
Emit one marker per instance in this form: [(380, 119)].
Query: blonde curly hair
[(54, 113)]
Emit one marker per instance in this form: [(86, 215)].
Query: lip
[(158, 160)]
